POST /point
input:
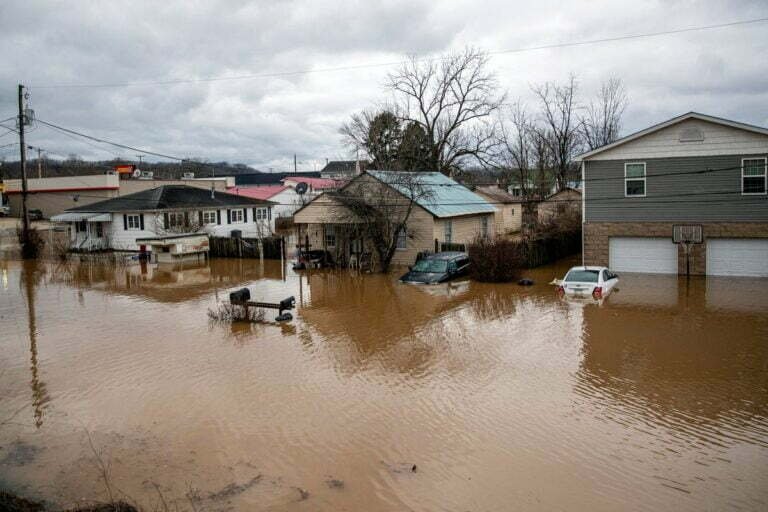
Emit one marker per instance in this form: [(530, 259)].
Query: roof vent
[(692, 134)]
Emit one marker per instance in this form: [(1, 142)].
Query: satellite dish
[(301, 188), (136, 173)]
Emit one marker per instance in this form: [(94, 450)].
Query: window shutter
[(218, 217), (186, 219), (269, 213), (165, 220), (245, 215), (229, 217), (254, 215), (200, 217), (125, 222), (141, 221)]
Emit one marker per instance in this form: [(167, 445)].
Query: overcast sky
[(264, 121)]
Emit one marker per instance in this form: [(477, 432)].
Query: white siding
[(125, 240), (718, 140), (121, 239)]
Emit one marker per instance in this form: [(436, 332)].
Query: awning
[(78, 217)]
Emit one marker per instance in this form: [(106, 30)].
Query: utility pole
[(294, 163), (23, 162)]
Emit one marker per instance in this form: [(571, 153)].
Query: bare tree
[(378, 212), (601, 122), (560, 128), (514, 152), (453, 100)]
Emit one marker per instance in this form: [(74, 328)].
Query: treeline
[(162, 170)]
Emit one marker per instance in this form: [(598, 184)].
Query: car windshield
[(429, 265), (582, 276)]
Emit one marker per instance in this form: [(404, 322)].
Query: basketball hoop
[(687, 235)]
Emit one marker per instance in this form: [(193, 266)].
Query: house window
[(133, 222), (80, 227), (99, 230), (484, 227), (634, 180), (209, 217), (754, 178), (237, 216), (330, 236), (175, 220), (402, 239), (448, 231), (262, 214)]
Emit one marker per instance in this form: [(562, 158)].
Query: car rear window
[(582, 276), (430, 266)]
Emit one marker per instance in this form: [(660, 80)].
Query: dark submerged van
[(438, 268)]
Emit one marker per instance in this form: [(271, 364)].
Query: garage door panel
[(642, 254), (737, 257)]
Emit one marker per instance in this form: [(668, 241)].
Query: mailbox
[(241, 295)]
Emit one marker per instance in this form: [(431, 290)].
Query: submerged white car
[(584, 281)]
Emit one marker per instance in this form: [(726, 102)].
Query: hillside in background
[(161, 170)]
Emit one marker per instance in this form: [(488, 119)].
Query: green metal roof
[(445, 197)]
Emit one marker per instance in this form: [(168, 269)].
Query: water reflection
[(31, 276), (167, 283), (659, 389), (696, 364)]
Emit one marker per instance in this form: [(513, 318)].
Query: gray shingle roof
[(170, 197)]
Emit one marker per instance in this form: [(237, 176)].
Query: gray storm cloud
[(263, 121)]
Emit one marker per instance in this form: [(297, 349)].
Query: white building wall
[(121, 239)]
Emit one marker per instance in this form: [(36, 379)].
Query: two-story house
[(694, 174)]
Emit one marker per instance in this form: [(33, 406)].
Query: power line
[(68, 131), (394, 63), (104, 141)]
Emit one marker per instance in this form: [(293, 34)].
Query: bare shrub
[(496, 260), (227, 313)]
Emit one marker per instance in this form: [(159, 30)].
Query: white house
[(116, 223), (284, 198)]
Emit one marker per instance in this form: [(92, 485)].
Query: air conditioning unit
[(188, 175), (147, 175)]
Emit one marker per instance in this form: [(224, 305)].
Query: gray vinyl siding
[(673, 193)]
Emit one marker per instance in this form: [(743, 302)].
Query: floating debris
[(335, 483)]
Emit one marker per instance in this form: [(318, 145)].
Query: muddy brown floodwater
[(380, 396)]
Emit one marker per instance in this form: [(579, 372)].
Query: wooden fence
[(541, 251), (228, 247)]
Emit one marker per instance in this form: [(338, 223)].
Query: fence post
[(436, 246)]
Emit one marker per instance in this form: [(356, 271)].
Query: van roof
[(447, 255)]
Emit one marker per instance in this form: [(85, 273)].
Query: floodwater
[(380, 396)]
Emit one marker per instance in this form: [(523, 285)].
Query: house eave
[(668, 123)]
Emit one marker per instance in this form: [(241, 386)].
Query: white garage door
[(737, 257), (638, 254)]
